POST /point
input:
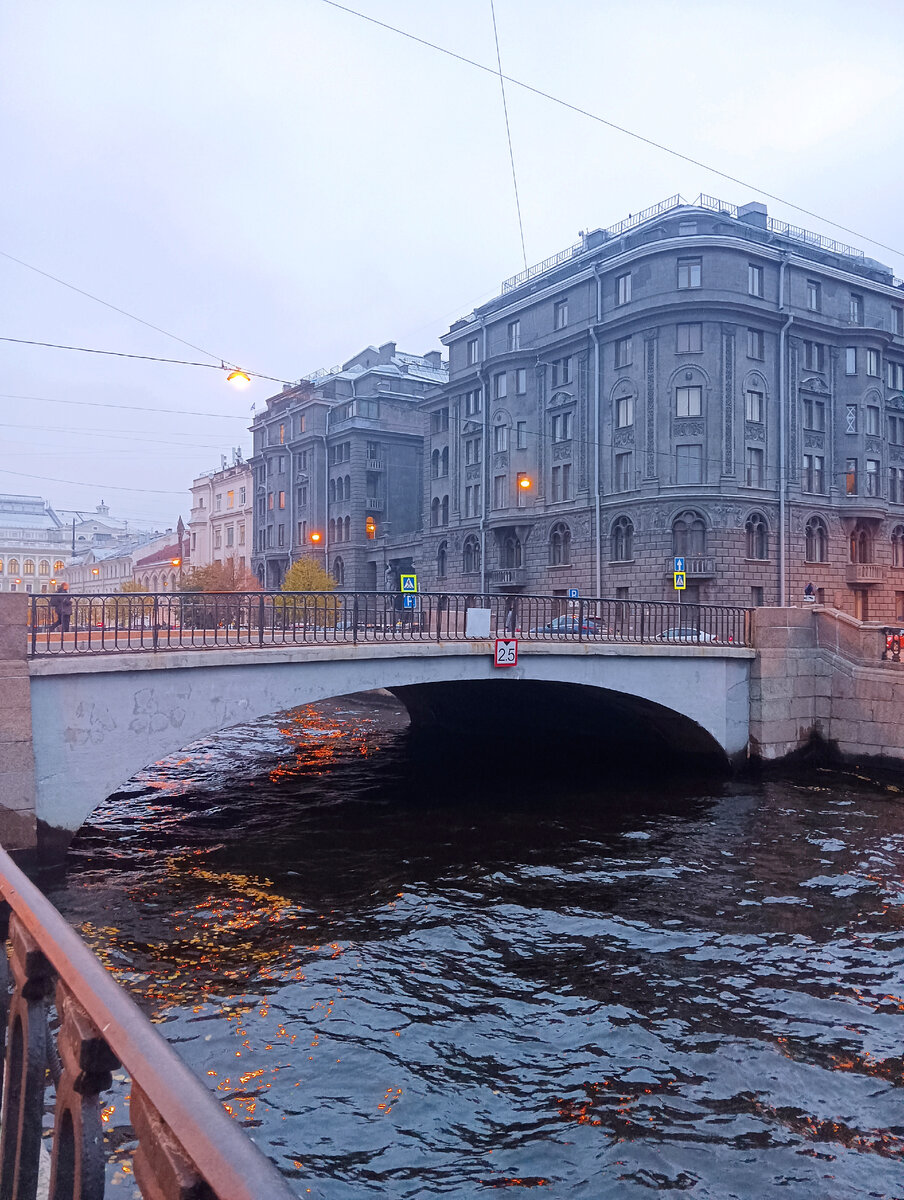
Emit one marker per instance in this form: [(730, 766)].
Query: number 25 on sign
[(506, 652)]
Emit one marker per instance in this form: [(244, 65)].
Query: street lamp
[(238, 378)]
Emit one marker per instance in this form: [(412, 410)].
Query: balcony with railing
[(373, 464), (859, 573), (506, 577), (374, 504)]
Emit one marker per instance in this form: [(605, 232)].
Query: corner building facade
[(698, 380)]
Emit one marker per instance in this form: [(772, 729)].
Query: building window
[(897, 546), (560, 314), (521, 435), (622, 540), (754, 279), (755, 467), (500, 491), (559, 545), (690, 271), (230, 535), (511, 552), (500, 438), (690, 338), (472, 451), (514, 336), (688, 401), (624, 411), (282, 499), (28, 567), (623, 352), (281, 535), (470, 558), (443, 518), (814, 356), (561, 371), (282, 435), (850, 360), (561, 483), (689, 463), (472, 351), (472, 500), (856, 309), (861, 545), (872, 477), (872, 419), (895, 375), (442, 555), (757, 536), (43, 567), (814, 413), (872, 363), (623, 289), (439, 420), (300, 423), (816, 541), (623, 471), (753, 406), (756, 343), (473, 403), (895, 430), (520, 381), (896, 485), (500, 386), (219, 501), (850, 477), (814, 295), (270, 501), (59, 565), (689, 535), (814, 467), (434, 513), (850, 418), (561, 427)]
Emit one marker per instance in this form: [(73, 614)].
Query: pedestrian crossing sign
[(680, 581), (409, 583)]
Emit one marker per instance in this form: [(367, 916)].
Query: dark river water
[(416, 981)]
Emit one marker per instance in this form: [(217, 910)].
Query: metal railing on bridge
[(68, 1025), (119, 623)]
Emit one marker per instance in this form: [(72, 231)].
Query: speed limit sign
[(506, 652)]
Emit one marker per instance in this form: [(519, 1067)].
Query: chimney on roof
[(387, 350), (434, 359), (753, 214)]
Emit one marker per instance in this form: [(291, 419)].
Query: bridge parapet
[(17, 767)]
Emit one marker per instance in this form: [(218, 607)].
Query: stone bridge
[(73, 729)]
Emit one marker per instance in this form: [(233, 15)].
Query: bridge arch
[(95, 723)]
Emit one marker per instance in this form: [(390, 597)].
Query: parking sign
[(573, 593)]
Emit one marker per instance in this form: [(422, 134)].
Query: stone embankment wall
[(17, 764), (819, 679)]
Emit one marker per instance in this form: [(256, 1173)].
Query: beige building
[(33, 544), (221, 514)]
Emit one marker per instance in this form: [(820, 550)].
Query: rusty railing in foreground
[(134, 621), (187, 1147)]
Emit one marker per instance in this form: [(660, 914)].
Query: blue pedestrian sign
[(679, 564), (573, 593), (680, 581), (409, 583)]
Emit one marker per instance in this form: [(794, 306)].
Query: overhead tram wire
[(176, 412), (592, 116), (110, 487), (508, 134)]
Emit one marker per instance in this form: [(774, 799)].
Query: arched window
[(817, 540), (559, 545), (339, 571), (444, 464), (444, 511), (622, 539), (757, 536), (897, 546), (332, 529), (861, 545), (154, 585), (348, 487), (43, 567), (58, 565), (434, 464), (1, 566), (470, 559), (511, 552), (348, 530), (332, 491), (14, 566), (689, 535), (28, 567), (434, 512), (441, 557)]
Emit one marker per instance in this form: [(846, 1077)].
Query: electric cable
[(508, 134), (576, 108), (176, 412)]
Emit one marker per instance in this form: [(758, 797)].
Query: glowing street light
[(316, 538), (237, 378), (525, 482)]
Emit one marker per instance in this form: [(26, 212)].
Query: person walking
[(61, 603)]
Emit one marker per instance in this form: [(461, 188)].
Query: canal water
[(412, 981)]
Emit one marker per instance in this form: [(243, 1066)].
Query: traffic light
[(371, 526)]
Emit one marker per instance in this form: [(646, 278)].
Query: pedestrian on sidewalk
[(61, 603)]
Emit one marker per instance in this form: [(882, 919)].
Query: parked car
[(685, 633), (571, 627)]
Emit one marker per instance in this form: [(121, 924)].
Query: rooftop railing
[(137, 622), (68, 1026)]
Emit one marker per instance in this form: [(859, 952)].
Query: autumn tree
[(307, 575), (228, 576)]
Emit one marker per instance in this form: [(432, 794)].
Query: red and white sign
[(506, 652)]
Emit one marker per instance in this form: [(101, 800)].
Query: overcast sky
[(283, 183)]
